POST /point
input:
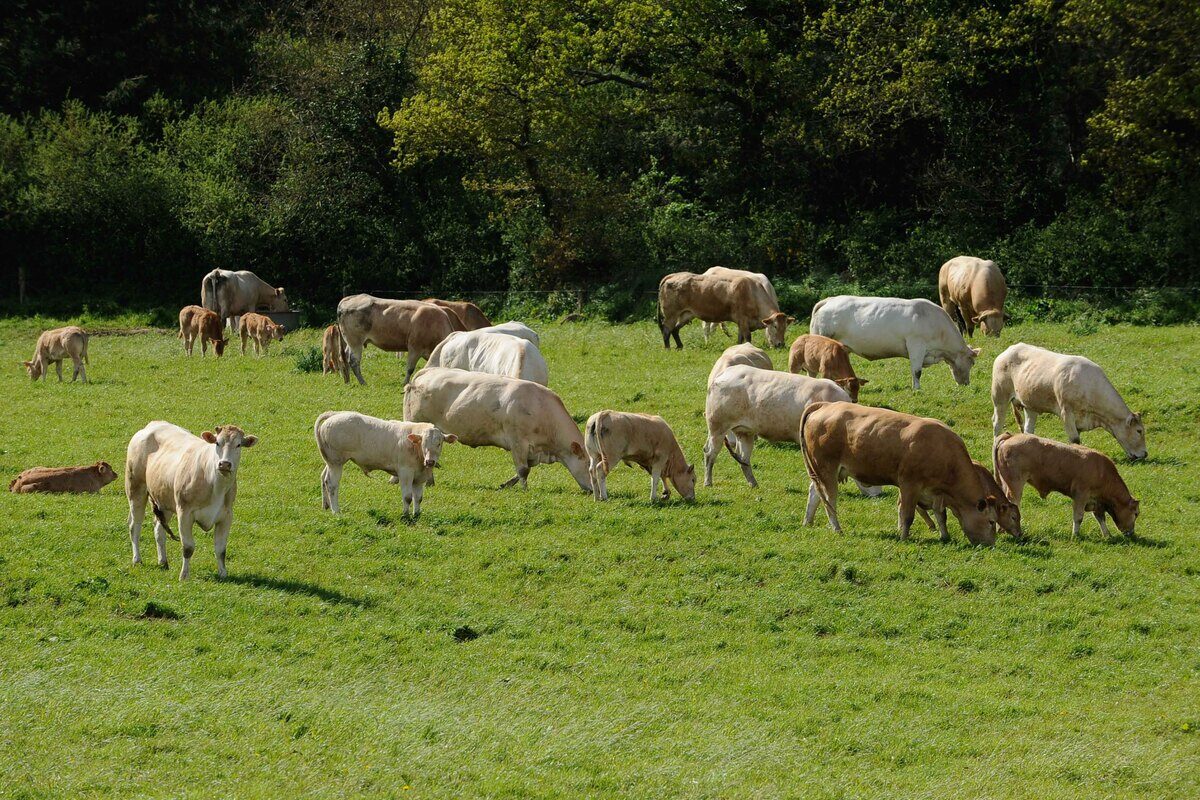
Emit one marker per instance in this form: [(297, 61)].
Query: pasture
[(538, 644)]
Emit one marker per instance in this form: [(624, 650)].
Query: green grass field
[(538, 644)]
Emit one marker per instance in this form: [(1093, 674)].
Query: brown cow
[(392, 325), (1088, 477), (55, 345), (684, 296), (333, 351), (465, 316), (877, 446), (72, 480), (822, 357), (611, 437), (972, 292), (260, 330), (1008, 515), (197, 322)]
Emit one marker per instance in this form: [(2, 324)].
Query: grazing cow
[(193, 477), (55, 345), (1008, 515), (333, 353), (261, 331), (408, 451), (195, 323), (890, 327), (517, 329), (1088, 477), (684, 296), (740, 354), (1037, 381), (822, 357), (745, 402), (923, 457), (232, 294), (493, 353), (482, 410), (468, 316), (67, 480), (972, 292), (393, 325), (724, 272), (611, 437)]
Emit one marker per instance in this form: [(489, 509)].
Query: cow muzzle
[(224, 467), (429, 462)]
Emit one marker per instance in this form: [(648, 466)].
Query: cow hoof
[(163, 565)]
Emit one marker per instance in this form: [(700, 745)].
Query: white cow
[(745, 402), (890, 327), (193, 477), (493, 353), (514, 328), (746, 354), (1039, 381), (408, 451), (233, 293)]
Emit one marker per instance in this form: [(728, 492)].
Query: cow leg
[(999, 404), (925, 516), (58, 369), (1078, 509), (653, 486), (412, 360), (137, 513), (243, 333), (185, 538), (1030, 420), (906, 506), (599, 480), (868, 491), (675, 335), (746, 449), (814, 498), (666, 334), (160, 542), (1070, 427), (418, 492), (822, 481), (520, 459), (940, 513), (711, 448), (916, 360), (77, 363), (221, 540), (406, 489), (331, 479), (1103, 525)]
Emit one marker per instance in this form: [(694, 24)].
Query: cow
[(923, 457), (1038, 381), (972, 292), (891, 327), (822, 357), (196, 322), (723, 272), (66, 480), (1008, 515), (522, 417), (408, 451), (333, 353), (393, 325), (192, 477), (514, 328), (467, 316), (231, 294), (740, 354), (55, 345), (647, 441), (1088, 477), (261, 331), (684, 296), (493, 353), (745, 402)]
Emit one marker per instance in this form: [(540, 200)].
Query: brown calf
[(73, 480), (55, 345), (260, 330), (642, 439), (1008, 515), (333, 350), (822, 357), (1088, 477), (197, 322)]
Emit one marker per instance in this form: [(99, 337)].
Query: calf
[(972, 292), (333, 353), (260, 330), (746, 354), (408, 451), (196, 322), (1086, 476), (820, 356), (55, 345), (193, 477), (1008, 515), (923, 457), (67, 480), (642, 439)]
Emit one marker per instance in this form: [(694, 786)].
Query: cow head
[(277, 332), (228, 441), (1125, 515), (1008, 515), (1131, 433), (428, 445), (219, 346), (851, 385), (961, 363), (992, 322), (685, 482), (978, 521), (106, 472), (776, 328), (34, 368), (278, 302)]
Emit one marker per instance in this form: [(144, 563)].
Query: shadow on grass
[(298, 587), (1121, 540)]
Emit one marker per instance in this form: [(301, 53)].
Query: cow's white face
[(776, 327), (1131, 433), (961, 365), (279, 301), (992, 322), (429, 445), (34, 368), (228, 441)]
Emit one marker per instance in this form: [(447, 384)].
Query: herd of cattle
[(486, 385)]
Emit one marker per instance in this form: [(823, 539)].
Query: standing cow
[(200, 323), (972, 292), (232, 294), (684, 296), (890, 327), (466, 316), (725, 272), (55, 345), (408, 326), (493, 353), (611, 437)]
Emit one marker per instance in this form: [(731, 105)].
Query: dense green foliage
[(460, 146)]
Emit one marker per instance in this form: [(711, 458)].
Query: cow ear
[(279, 292), (249, 441), (414, 438), (975, 320), (982, 504), (26, 363), (209, 437), (691, 469), (576, 449), (791, 320), (975, 351), (451, 438), (1134, 418), (766, 321), (863, 381)]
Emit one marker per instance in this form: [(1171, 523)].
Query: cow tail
[(317, 431), (725, 330), (208, 294), (162, 519), (85, 355), (597, 431), (734, 453), (1004, 437)]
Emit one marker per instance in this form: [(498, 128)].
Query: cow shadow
[(299, 588)]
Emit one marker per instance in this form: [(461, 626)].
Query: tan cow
[(647, 441), (393, 325), (923, 457), (233, 293), (465, 316), (193, 477), (1088, 477), (333, 353), (55, 345), (684, 296), (261, 331), (67, 480), (195, 323), (740, 354), (1008, 515), (822, 357), (972, 292)]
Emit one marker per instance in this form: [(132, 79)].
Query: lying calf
[(408, 451), (72, 480), (642, 439), (1008, 515), (1088, 477)]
